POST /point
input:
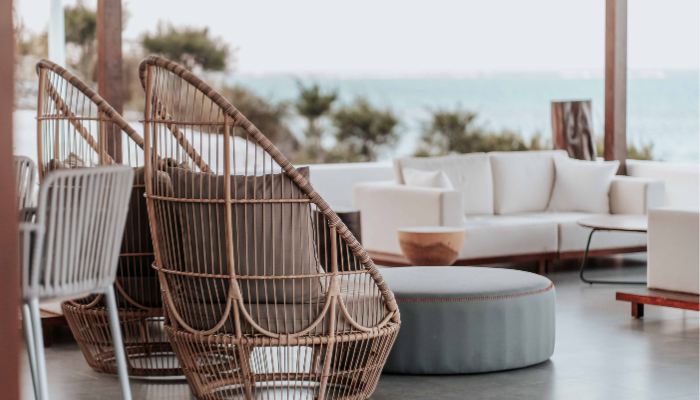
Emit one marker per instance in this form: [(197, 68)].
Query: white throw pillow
[(582, 185), (436, 179)]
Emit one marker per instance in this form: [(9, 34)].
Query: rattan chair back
[(250, 303), (78, 129)]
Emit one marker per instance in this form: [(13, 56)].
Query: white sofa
[(502, 199), (674, 252)]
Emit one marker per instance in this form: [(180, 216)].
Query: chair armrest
[(673, 249), (387, 206), (633, 195)]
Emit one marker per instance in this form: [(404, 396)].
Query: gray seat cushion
[(457, 320)]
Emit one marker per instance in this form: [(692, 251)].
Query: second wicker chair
[(77, 129)]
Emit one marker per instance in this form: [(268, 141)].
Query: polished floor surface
[(601, 353)]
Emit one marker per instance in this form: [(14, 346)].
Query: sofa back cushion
[(523, 181), (470, 174)]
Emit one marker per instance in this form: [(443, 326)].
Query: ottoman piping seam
[(507, 296)]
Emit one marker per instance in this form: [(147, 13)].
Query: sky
[(411, 37)]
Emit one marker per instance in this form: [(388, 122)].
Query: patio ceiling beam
[(616, 82), (109, 65)]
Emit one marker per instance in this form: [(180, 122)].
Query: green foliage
[(457, 132), (267, 117), (312, 105), (81, 28), (81, 24), (644, 152), (188, 46), (362, 131)]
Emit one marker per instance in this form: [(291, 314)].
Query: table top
[(626, 223), (432, 229)]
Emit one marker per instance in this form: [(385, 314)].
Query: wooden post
[(616, 82), (109, 67), (10, 342)]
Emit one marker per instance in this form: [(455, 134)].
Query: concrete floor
[(601, 353)]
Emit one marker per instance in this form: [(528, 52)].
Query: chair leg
[(31, 350), (38, 338), (119, 353)]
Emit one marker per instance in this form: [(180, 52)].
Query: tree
[(362, 131), (81, 25), (267, 117), (643, 152), (312, 105), (447, 131), (190, 47), (457, 132)]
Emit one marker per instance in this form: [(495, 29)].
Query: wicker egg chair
[(252, 309), (77, 128)]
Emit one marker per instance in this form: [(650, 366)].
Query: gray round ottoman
[(461, 320)]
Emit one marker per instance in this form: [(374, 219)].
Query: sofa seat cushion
[(523, 181), (470, 174), (573, 237), (361, 297), (505, 235)]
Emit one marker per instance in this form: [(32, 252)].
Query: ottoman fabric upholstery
[(458, 320)]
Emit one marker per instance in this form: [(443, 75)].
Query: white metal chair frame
[(25, 170), (69, 248)]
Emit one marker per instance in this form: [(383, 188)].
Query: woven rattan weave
[(252, 310)]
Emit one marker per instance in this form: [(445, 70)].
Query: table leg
[(637, 310), (583, 267)]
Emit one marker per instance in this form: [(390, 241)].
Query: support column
[(616, 82), (109, 66), (57, 33), (10, 342)]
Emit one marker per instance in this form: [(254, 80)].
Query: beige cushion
[(573, 237), (267, 239), (363, 301), (523, 181), (496, 235), (582, 185), (470, 174), (418, 178)]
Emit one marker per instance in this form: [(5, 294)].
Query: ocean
[(663, 106)]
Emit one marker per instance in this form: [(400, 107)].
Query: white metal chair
[(69, 248), (25, 176)]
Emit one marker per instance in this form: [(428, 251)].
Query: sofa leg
[(542, 267), (637, 310)]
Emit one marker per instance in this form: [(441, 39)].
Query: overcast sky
[(382, 37)]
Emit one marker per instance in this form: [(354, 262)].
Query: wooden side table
[(432, 245)]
